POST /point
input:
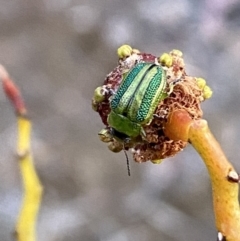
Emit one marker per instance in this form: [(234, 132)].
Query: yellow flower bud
[(136, 51), (176, 52), (98, 96), (166, 60), (201, 83), (157, 161), (207, 92), (115, 146), (124, 51)]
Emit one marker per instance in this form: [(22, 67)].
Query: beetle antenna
[(128, 165)]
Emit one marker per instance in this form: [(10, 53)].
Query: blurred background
[(58, 52)]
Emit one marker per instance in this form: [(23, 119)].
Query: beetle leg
[(170, 89), (172, 84), (105, 135), (127, 140), (176, 81), (143, 134), (157, 116)]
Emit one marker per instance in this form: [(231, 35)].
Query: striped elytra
[(127, 81), (140, 92)]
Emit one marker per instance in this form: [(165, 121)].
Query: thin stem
[(225, 191), (224, 179), (26, 223)]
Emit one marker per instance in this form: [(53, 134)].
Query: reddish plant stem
[(12, 92)]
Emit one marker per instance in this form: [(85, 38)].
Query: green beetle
[(136, 100)]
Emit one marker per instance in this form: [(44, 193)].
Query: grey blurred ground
[(58, 51)]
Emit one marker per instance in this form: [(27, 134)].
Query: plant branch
[(224, 178), (26, 223)]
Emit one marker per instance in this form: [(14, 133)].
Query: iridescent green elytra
[(136, 99)]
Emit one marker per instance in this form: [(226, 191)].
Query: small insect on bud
[(129, 113), (138, 97)]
